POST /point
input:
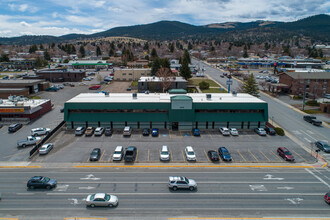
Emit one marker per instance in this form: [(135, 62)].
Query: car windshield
[(326, 146), (287, 153), (129, 152), (191, 153), (225, 152), (45, 180), (164, 153), (117, 152)]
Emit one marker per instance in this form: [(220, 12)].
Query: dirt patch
[(118, 87)]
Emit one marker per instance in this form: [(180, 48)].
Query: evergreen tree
[(111, 52), (82, 51), (146, 46), (153, 54), (250, 86), (190, 47), (155, 66), (185, 70), (41, 47), (53, 45), (46, 55), (165, 63), (4, 58), (98, 51), (186, 56), (112, 45), (33, 48), (171, 47)]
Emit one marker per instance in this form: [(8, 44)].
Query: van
[(118, 154), (164, 153), (127, 131)]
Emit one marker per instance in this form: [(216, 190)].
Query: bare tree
[(263, 84), (166, 77)]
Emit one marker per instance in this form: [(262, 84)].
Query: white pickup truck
[(29, 140)]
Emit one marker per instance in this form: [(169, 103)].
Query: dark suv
[(41, 182), (14, 127), (130, 154), (312, 120), (270, 131)]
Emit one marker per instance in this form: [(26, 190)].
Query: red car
[(95, 87), (285, 154), (327, 197)]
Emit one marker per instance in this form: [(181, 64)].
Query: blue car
[(224, 154), (196, 132), (155, 132)]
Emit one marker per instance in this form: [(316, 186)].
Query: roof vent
[(106, 93), (208, 96), (234, 93), (134, 95)]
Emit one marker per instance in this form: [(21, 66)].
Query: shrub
[(204, 85), (279, 131), (312, 103), (297, 97)]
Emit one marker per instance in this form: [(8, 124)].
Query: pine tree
[(155, 66), (185, 70), (186, 56), (98, 51), (82, 51), (153, 54), (250, 86), (46, 55)]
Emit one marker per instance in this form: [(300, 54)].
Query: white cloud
[(23, 7), (23, 23)]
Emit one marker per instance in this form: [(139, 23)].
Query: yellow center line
[(264, 155), (82, 218), (253, 155), (241, 155)]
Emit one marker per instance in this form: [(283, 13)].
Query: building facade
[(61, 75), (130, 74), (21, 87), (166, 111), (161, 84)]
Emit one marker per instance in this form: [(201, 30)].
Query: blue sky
[(60, 17)]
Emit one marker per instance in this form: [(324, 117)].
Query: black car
[(224, 154), (108, 131), (312, 120), (146, 132), (14, 127), (270, 131), (95, 155), (213, 155), (130, 154), (41, 182), (323, 146)]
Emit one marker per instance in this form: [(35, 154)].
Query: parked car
[(51, 89), (102, 199), (14, 127), (127, 131), (213, 155), (41, 182), (322, 146), (285, 154), (270, 131), (146, 132), (46, 148), (195, 132), (233, 131), (108, 131), (155, 132), (190, 153), (164, 153), (312, 120), (99, 131), (62, 110), (95, 155), (80, 131), (89, 131), (95, 87), (130, 154), (180, 182), (260, 131), (224, 131), (29, 140), (118, 153), (327, 197), (224, 154), (40, 131)]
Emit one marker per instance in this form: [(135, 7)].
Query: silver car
[(224, 131), (46, 148), (102, 199), (40, 131), (180, 182)]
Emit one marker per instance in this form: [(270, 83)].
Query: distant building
[(89, 64), (19, 63), (160, 84), (130, 74), (138, 64), (315, 83), (61, 75), (21, 87), (20, 109)]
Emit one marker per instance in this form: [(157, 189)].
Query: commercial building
[(166, 111), (89, 64), (20, 109), (19, 63), (315, 83), (131, 74), (161, 84), (21, 87), (61, 75)]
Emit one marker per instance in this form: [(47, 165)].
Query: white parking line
[(317, 177)]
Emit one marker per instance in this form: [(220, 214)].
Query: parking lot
[(248, 147)]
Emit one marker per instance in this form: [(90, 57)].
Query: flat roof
[(162, 98), (23, 103), (160, 79), (21, 81)]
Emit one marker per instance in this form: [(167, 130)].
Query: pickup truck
[(312, 120), (29, 140)]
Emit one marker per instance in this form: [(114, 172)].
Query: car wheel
[(31, 187), (92, 205), (48, 187), (23, 145), (47, 133), (174, 188), (110, 205), (191, 188)]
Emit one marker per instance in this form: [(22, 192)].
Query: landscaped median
[(213, 86)]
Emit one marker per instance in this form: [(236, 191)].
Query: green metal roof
[(181, 98), (177, 91)]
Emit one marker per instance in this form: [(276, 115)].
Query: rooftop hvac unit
[(1, 101), (134, 95), (234, 93), (208, 96), (106, 93)]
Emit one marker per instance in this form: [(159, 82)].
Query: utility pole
[(304, 97)]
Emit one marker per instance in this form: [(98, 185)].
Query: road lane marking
[(25, 194), (241, 155), (317, 177), (191, 166), (216, 182), (102, 155), (206, 156), (251, 218), (253, 155), (5, 167), (9, 218), (308, 135), (277, 156), (83, 218), (299, 155), (264, 155)]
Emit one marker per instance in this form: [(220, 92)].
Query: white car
[(46, 148), (233, 131), (224, 131), (40, 131), (118, 154), (99, 131), (164, 153), (102, 199), (190, 153)]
